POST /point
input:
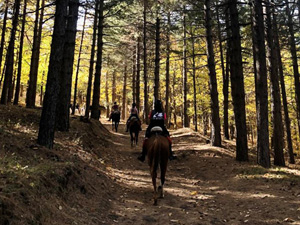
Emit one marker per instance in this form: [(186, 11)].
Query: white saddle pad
[(156, 129)]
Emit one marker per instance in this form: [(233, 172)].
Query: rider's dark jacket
[(157, 119)]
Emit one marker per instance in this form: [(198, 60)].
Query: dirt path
[(204, 186)]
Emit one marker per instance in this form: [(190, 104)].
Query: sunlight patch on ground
[(186, 146), (187, 193), (242, 195), (24, 129), (134, 178)]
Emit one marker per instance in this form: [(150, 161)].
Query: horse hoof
[(160, 191)]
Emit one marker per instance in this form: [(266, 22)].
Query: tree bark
[(63, 110), (17, 93), (134, 76), (293, 51), (237, 84), (186, 122), (157, 59), (146, 107), (34, 66), (3, 36), (225, 80), (114, 88), (96, 96), (12, 86), (167, 110), (216, 129), (48, 118), (78, 63), (92, 59), (275, 91), (138, 75), (106, 95), (283, 91), (124, 108), (194, 82), (263, 151), (10, 55)]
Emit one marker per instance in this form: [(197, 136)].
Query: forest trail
[(204, 186), (92, 177)]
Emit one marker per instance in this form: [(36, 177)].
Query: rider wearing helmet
[(157, 118), (133, 113)]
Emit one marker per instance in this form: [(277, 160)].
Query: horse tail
[(156, 155)]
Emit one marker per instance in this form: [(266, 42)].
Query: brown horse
[(158, 154), (134, 129)]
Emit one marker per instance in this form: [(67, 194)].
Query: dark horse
[(115, 118), (134, 129), (158, 154)]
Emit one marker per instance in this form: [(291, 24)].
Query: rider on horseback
[(133, 113), (157, 118), (114, 109)]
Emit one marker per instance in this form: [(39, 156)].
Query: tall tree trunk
[(78, 63), (295, 61), (194, 82), (167, 110), (96, 96), (227, 77), (263, 151), (10, 55), (3, 35), (275, 91), (216, 129), (283, 91), (2, 75), (92, 59), (106, 94), (146, 107), (48, 118), (225, 82), (174, 100), (63, 110), (124, 108), (237, 84), (138, 74), (34, 66), (157, 59), (186, 122), (114, 88), (17, 93), (134, 76), (12, 86)]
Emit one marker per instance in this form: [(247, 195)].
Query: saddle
[(133, 119), (156, 129), (116, 112)]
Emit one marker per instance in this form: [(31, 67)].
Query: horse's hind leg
[(162, 181), (131, 139), (136, 137), (154, 186)]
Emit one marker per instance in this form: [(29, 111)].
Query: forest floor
[(92, 176)]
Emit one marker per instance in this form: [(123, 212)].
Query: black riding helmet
[(133, 105), (158, 106)]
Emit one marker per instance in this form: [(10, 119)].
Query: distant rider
[(114, 109), (133, 113)]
